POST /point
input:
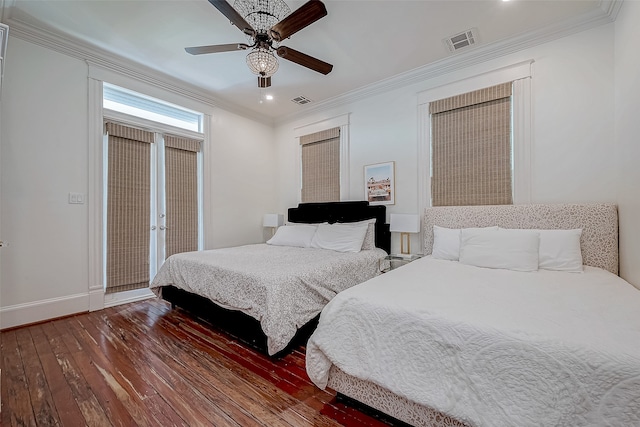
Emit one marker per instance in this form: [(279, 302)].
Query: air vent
[(301, 100), (461, 40)]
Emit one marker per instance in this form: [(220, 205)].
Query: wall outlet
[(76, 198)]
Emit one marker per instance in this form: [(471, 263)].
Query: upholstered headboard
[(345, 212), (599, 224)]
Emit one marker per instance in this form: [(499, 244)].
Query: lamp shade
[(272, 220), (405, 223)]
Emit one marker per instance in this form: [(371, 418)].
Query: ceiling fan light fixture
[(266, 23), (262, 62), (262, 14)]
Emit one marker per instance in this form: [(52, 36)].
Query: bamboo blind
[(471, 148), (181, 169), (128, 207), (321, 166)]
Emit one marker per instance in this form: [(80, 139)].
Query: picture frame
[(379, 183)]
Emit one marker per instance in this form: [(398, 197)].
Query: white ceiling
[(367, 42)]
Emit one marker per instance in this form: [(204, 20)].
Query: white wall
[(627, 136), (243, 185), (581, 135), (573, 150), (45, 133), (44, 157)]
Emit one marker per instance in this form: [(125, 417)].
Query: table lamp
[(272, 220), (405, 224)]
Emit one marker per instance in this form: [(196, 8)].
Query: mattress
[(282, 287), (490, 347)]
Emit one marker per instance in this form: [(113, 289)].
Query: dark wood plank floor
[(145, 364)]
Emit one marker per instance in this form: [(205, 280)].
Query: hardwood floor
[(145, 364)]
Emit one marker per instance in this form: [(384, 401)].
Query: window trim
[(520, 74), (342, 122), (96, 116), (157, 106), (150, 125)]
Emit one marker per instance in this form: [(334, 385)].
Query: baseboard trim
[(38, 311), (111, 300), (96, 299)]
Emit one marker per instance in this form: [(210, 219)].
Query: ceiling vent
[(461, 40), (301, 100)]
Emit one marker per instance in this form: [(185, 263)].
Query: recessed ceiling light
[(268, 97)]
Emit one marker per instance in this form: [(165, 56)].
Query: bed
[(441, 343), (271, 294)]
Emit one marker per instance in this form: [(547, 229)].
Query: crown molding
[(5, 7), (611, 8), (604, 14), (99, 57)]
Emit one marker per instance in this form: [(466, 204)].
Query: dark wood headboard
[(345, 212)]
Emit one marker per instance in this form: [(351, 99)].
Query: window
[(321, 166), (520, 74), (135, 104), (152, 187), (471, 155), (335, 155)]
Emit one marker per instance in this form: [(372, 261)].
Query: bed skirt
[(385, 401), (235, 323)]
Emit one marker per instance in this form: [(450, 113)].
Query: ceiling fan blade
[(304, 60), (304, 16), (232, 15), (200, 50)]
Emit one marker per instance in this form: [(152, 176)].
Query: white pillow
[(294, 235), (560, 250), (369, 241), (446, 242), (346, 237), (508, 249)]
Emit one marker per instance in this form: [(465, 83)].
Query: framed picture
[(379, 183)]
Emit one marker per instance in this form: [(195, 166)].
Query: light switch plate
[(76, 198)]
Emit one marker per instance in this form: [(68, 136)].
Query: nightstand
[(393, 261)]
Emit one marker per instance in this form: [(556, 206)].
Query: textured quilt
[(491, 347), (282, 287)]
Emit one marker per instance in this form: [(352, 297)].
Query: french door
[(152, 204)]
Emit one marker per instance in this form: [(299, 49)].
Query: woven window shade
[(321, 166), (128, 208), (471, 148), (181, 169)]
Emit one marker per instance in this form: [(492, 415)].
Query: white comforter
[(282, 287), (491, 347)]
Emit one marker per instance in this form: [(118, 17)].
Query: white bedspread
[(282, 287), (491, 347)]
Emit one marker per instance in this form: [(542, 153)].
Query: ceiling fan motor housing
[(264, 82)]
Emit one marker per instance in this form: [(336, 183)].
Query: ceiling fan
[(266, 23)]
